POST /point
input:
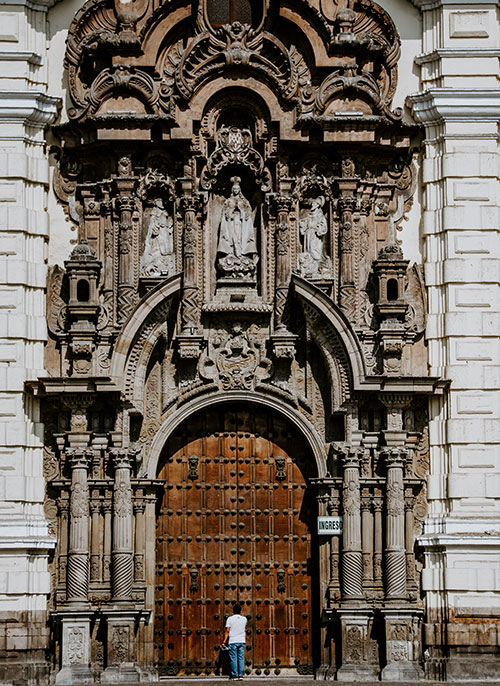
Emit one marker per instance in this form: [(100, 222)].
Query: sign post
[(330, 526)]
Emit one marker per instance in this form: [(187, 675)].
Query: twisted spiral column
[(395, 552), (122, 560), (352, 561), (77, 573)]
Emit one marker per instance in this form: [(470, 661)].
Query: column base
[(357, 672), (402, 644), (401, 671), (75, 647), (360, 650), (121, 625), (126, 673), (74, 674)]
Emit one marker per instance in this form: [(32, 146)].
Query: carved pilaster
[(122, 555), (63, 504), (367, 537), (409, 538), (333, 508), (95, 558), (125, 207), (77, 582), (140, 539), (351, 552), (378, 505), (347, 205), (395, 555), (106, 562), (190, 301), (283, 265)]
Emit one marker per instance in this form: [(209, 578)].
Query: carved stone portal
[(237, 194)]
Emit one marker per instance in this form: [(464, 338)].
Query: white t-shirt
[(236, 624)]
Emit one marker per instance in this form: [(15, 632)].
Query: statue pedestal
[(360, 660), (402, 644), (75, 662), (121, 626)]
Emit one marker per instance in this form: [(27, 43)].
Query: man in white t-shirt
[(235, 638)]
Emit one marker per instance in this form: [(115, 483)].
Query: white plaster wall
[(25, 109), (458, 102)]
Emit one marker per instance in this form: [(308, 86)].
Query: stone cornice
[(37, 5), (29, 107), (437, 105), (466, 53), (425, 5)]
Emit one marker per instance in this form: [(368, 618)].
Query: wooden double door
[(234, 526)]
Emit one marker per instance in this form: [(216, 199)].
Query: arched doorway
[(235, 525)]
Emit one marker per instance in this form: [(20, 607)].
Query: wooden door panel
[(232, 527)]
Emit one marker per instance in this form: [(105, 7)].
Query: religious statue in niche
[(313, 227), (158, 258), (237, 245)]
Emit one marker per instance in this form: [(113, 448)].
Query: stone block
[(484, 403), (475, 457), (9, 31), (466, 485), (492, 482)]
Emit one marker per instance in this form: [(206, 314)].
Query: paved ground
[(304, 681)]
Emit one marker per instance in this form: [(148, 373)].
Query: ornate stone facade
[(237, 189)]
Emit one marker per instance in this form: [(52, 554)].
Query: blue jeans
[(237, 657)]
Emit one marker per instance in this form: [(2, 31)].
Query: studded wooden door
[(234, 526)]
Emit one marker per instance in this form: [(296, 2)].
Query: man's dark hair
[(236, 609)]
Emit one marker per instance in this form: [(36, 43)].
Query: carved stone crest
[(236, 359)]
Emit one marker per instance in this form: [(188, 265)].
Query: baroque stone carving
[(236, 359), (313, 226), (158, 258), (237, 245), (76, 645)]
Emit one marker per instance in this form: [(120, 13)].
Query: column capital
[(79, 458), (394, 457), (351, 457), (122, 458)]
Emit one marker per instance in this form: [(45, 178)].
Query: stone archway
[(235, 524)]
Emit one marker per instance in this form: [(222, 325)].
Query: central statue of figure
[(237, 247)]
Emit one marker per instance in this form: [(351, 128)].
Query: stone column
[(106, 567), (77, 582), (63, 504), (95, 567), (351, 552), (378, 505), (140, 539), (122, 564), (409, 538), (395, 552), (367, 538), (333, 510)]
